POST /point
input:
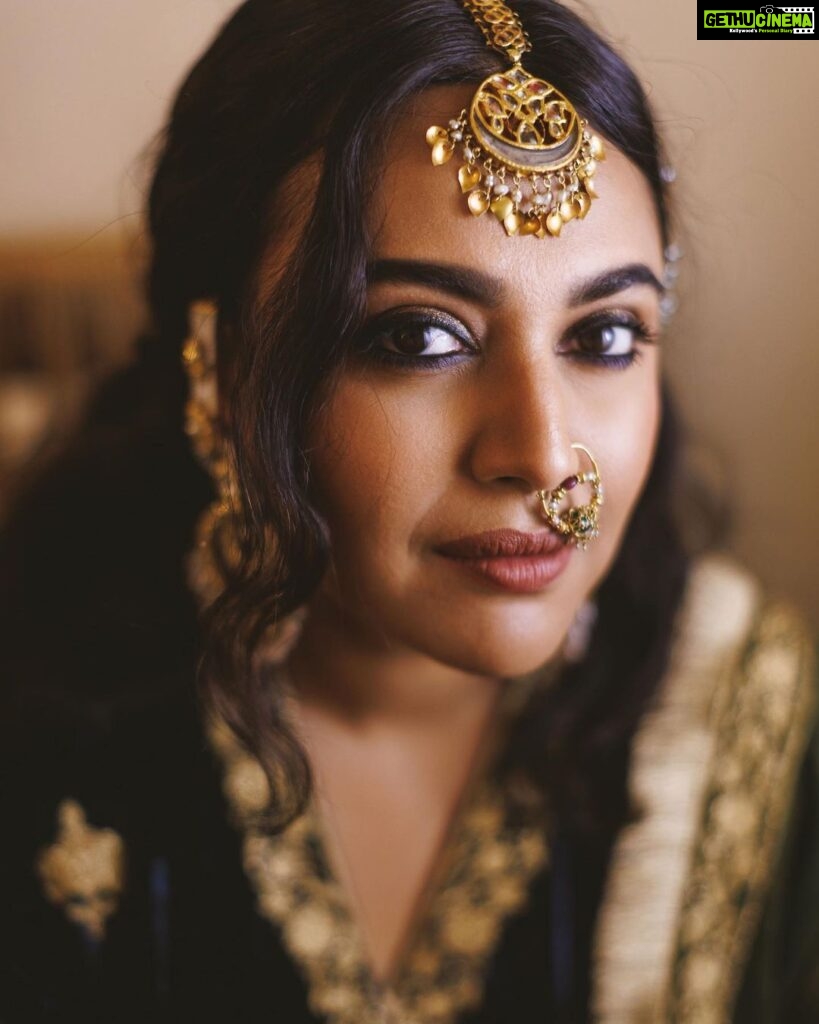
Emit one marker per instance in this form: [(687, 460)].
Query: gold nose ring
[(578, 523)]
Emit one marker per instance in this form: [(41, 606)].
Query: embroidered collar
[(483, 877)]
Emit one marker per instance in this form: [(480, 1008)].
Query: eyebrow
[(488, 291), (443, 277), (614, 281)]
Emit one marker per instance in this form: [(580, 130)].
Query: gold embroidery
[(762, 728), (490, 864), (83, 871), (635, 935)]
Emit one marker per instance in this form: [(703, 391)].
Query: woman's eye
[(417, 339), (423, 340), (610, 341)]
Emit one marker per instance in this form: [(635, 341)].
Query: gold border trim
[(762, 735), (713, 769), (633, 944)]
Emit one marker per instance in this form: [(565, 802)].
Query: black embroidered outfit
[(703, 911)]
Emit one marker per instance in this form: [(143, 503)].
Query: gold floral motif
[(524, 111), (761, 736), (489, 865), (83, 871)]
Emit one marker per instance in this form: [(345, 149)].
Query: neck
[(342, 672)]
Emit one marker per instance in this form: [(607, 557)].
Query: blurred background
[(84, 88)]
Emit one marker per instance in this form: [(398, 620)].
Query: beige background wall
[(83, 88)]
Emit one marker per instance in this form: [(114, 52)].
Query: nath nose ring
[(579, 523)]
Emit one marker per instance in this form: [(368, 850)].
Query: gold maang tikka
[(528, 156), (579, 523)]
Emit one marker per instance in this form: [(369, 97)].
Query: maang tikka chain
[(529, 158), (579, 523)]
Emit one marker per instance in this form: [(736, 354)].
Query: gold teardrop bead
[(436, 134), (554, 222), (530, 225), (478, 202), (588, 169), (588, 184), (582, 204), (512, 223), (441, 152), (501, 206), (598, 150), (567, 211), (468, 177)]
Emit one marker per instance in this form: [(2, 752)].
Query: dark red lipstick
[(519, 562)]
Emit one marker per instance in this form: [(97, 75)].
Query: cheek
[(374, 463), (627, 440)]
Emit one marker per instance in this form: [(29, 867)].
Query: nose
[(521, 436)]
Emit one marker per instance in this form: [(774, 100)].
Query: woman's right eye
[(428, 341), (418, 339)]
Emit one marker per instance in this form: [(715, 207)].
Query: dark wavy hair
[(281, 82)]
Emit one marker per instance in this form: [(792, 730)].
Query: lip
[(519, 562)]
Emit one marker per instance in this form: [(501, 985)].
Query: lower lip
[(525, 574)]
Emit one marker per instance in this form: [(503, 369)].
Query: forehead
[(419, 212)]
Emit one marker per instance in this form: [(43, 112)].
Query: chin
[(501, 649), (503, 663)]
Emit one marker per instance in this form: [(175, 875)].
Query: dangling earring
[(216, 551), (578, 636), (580, 523)]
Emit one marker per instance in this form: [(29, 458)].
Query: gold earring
[(579, 523), (216, 551)]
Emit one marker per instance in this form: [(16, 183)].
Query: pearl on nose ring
[(578, 523)]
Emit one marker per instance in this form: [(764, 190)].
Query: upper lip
[(502, 544)]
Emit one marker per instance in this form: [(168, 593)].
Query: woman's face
[(485, 358)]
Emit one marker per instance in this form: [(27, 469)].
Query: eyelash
[(394, 322)]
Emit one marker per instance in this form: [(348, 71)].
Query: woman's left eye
[(613, 340), (610, 340)]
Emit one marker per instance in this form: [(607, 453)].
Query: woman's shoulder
[(727, 609), (743, 660), (723, 773), (741, 687), (89, 791)]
